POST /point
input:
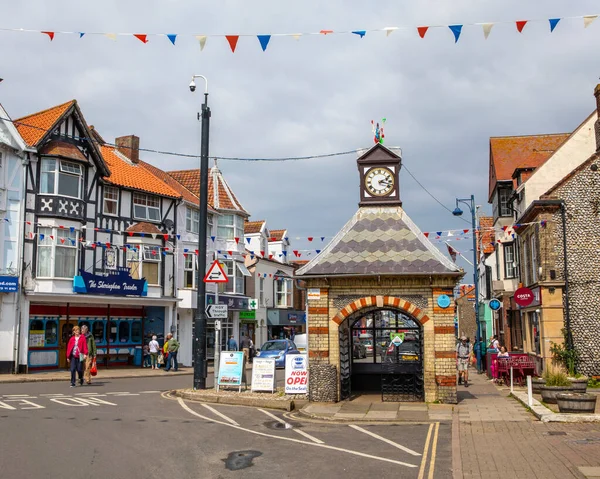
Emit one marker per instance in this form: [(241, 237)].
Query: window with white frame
[(261, 291), (192, 220), (510, 269), (190, 273), (146, 207), (145, 263), (60, 177), (230, 227), (283, 293), (534, 262), (235, 272), (111, 201), (503, 198), (57, 253)]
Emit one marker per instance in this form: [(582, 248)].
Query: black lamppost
[(199, 346), (470, 202)]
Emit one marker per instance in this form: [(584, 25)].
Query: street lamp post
[(470, 202), (199, 346)]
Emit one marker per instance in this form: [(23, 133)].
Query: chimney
[(129, 146), (597, 124)]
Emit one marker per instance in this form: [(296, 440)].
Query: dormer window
[(60, 177)]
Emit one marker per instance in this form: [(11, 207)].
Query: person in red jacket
[(77, 350)]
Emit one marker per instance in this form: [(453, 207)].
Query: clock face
[(379, 181)]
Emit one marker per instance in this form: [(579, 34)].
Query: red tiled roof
[(488, 238), (276, 235), (299, 262), (60, 148), (507, 153), (35, 126), (129, 175), (251, 227), (143, 227)]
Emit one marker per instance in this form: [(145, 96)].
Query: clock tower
[(379, 171)]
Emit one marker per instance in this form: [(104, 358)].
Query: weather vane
[(377, 129)]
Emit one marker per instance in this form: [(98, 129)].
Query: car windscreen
[(274, 346)]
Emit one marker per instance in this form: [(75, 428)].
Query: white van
[(300, 341)]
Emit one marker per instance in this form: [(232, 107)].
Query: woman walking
[(154, 350), (77, 351)]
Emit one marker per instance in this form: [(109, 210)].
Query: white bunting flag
[(202, 40), (588, 20), (487, 28)]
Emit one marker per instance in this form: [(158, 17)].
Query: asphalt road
[(127, 428)]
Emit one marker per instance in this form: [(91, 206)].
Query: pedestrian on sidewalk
[(245, 343), (77, 351), (173, 347), (165, 350), (232, 344), (154, 349), (92, 351), (463, 354)]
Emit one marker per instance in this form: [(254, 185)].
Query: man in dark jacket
[(91, 344), (172, 348)]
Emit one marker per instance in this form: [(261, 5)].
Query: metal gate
[(395, 369)]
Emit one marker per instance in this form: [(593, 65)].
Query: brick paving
[(497, 437)]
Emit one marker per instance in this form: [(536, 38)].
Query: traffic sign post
[(216, 311)]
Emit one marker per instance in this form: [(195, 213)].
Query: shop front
[(285, 323)]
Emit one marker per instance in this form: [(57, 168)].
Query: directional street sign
[(216, 274), (216, 311)]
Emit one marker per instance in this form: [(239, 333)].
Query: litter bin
[(137, 356)]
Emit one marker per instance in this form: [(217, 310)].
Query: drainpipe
[(563, 215)]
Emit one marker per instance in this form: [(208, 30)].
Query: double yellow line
[(433, 444)]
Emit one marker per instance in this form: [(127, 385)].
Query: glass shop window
[(98, 331), (124, 332), (85, 323), (136, 332), (36, 325), (51, 332)]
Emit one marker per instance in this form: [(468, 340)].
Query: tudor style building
[(381, 278), (97, 224)]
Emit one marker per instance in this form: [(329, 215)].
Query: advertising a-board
[(263, 374), (296, 374), (231, 368)]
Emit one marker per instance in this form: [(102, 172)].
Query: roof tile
[(35, 126), (276, 235), (252, 227), (67, 150)]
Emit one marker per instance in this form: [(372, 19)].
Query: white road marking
[(25, 402), (150, 392), (3, 405), (17, 396), (71, 401), (221, 415), (392, 443), (53, 395), (90, 394), (290, 439), (289, 426), (123, 394)]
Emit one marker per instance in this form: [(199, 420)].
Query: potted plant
[(536, 385), (556, 382), (576, 402), (568, 358)]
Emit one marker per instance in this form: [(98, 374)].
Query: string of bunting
[(265, 39)]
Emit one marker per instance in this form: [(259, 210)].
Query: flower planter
[(549, 392), (579, 385), (536, 384), (576, 403)]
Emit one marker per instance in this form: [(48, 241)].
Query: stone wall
[(416, 296), (466, 317)]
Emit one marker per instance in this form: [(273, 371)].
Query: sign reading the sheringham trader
[(216, 311), (113, 283), (313, 294), (263, 374), (296, 374), (9, 284)]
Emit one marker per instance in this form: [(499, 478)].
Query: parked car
[(368, 344), (300, 342), (277, 349), (359, 350)]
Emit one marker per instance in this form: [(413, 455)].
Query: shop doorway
[(371, 362), (66, 331)]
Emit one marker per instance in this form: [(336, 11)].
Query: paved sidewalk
[(494, 436)]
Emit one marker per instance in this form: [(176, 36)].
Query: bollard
[(511, 380), (529, 392)]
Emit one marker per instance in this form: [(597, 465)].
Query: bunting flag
[(422, 31), (50, 35), (553, 23), (232, 39), (111, 36), (588, 20), (360, 33), (202, 40), (172, 37), (326, 32), (487, 28), (521, 25), (264, 41), (456, 29), (81, 34), (141, 37), (389, 30), (452, 252)]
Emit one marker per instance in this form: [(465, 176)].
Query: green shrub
[(556, 377), (593, 383), (565, 356)]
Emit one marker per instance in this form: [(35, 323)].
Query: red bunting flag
[(273, 239), (504, 228), (310, 238), (52, 237), (465, 231), (237, 240), (196, 251), (521, 25), (108, 245), (296, 253), (166, 237), (50, 34), (230, 253), (141, 37), (262, 253), (422, 31), (232, 39), (62, 240), (130, 233), (426, 235), (270, 256), (452, 252), (325, 32)]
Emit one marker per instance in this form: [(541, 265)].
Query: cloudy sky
[(314, 95)]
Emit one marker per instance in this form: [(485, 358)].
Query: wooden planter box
[(579, 385), (536, 385), (580, 403), (549, 392)]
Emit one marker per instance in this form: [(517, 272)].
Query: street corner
[(277, 400)]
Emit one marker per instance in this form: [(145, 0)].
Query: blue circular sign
[(443, 301), (494, 304)]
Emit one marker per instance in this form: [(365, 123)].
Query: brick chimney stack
[(129, 146), (597, 124)]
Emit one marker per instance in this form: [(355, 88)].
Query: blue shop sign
[(9, 284), (232, 302), (443, 301), (112, 283), (494, 304)]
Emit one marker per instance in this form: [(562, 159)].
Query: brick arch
[(380, 302)]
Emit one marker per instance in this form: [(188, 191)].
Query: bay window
[(146, 207), (283, 293), (111, 201), (230, 227), (192, 220), (145, 263), (235, 272), (57, 253), (60, 177)]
